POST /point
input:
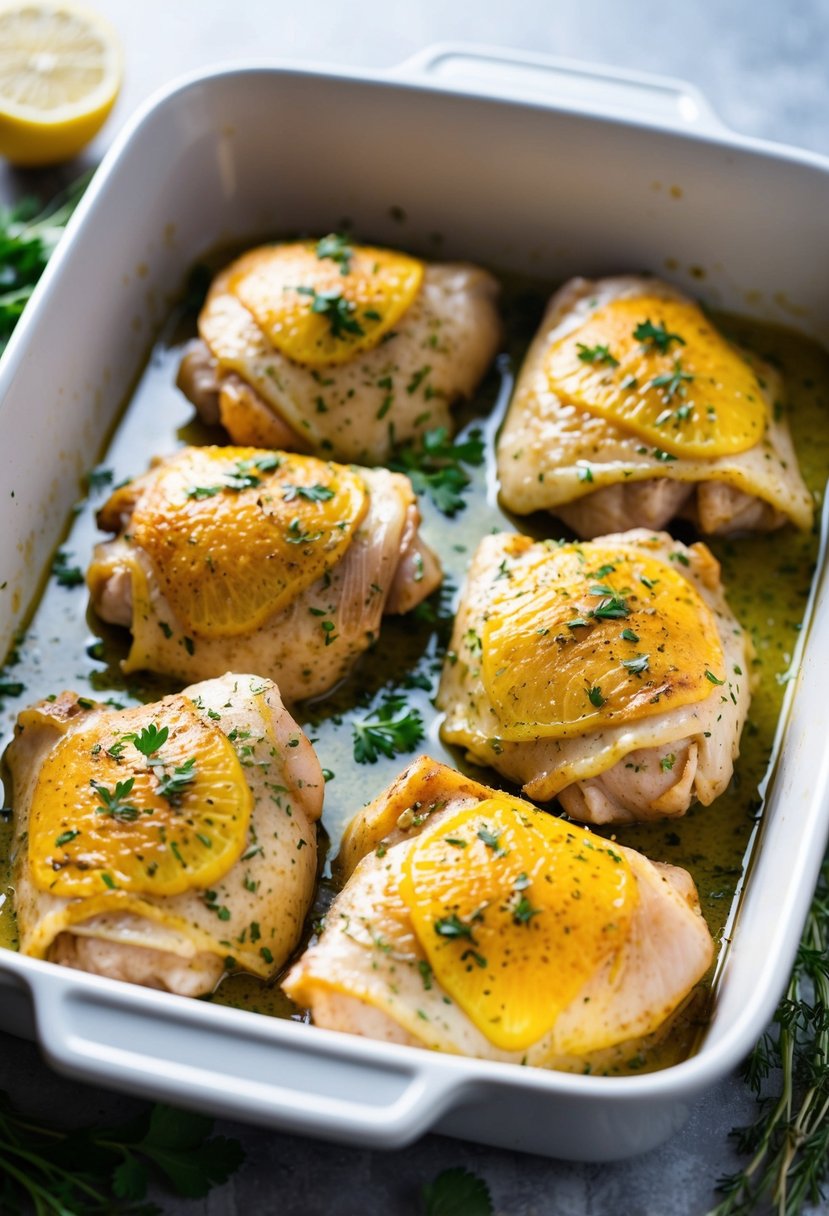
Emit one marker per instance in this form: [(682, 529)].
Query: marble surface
[(763, 68)]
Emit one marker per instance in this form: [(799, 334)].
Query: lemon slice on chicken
[(497, 891), (659, 368), (112, 811), (586, 636), (235, 534), (319, 307)]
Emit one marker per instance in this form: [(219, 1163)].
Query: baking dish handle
[(563, 82), (200, 1056)]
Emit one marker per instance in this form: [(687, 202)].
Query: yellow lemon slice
[(319, 307), (659, 368), (515, 911), (587, 636), (111, 811), (60, 72), (236, 534)]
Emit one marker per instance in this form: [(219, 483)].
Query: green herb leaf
[(317, 493), (453, 926), (673, 382), (596, 354), (150, 739), (637, 665), (390, 730), (66, 575), (172, 785), (336, 247), (435, 466), (113, 802), (27, 239), (656, 336), (336, 308), (458, 1192)]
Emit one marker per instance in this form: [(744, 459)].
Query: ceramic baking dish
[(523, 163)]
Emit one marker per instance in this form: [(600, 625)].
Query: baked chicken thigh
[(241, 559), (476, 924), (169, 844), (610, 674), (339, 349), (631, 408)]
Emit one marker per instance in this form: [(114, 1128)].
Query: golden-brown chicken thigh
[(473, 923), (339, 349), (165, 845), (631, 409), (610, 674), (237, 558)]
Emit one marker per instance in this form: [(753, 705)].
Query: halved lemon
[(60, 72)]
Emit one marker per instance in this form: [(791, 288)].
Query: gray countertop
[(764, 68)]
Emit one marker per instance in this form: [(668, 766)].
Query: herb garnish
[(244, 475), (636, 665), (434, 466), (457, 1192), (316, 493), (389, 730), (336, 247), (453, 926), (150, 739), (172, 786), (27, 239), (113, 802), (656, 336), (673, 382), (596, 354), (338, 310), (66, 575), (594, 696), (788, 1071), (78, 1172)]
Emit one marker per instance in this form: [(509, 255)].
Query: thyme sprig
[(788, 1143)]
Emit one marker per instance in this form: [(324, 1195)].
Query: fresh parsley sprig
[(457, 1192), (656, 336), (389, 730), (336, 308), (336, 247), (27, 239), (106, 1171), (435, 466), (113, 802)]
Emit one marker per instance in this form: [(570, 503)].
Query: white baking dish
[(566, 170)]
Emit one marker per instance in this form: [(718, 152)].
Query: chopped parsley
[(453, 926), (316, 493), (113, 802), (389, 730), (435, 466), (637, 665), (594, 696), (173, 785), (656, 336), (337, 310), (596, 354), (673, 382), (335, 246), (66, 575)]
